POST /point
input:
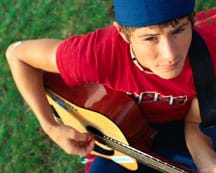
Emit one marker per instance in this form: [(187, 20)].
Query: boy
[(144, 53)]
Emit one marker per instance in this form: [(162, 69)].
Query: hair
[(127, 30)]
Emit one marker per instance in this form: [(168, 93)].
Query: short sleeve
[(75, 59)]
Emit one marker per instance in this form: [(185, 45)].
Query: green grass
[(24, 147)]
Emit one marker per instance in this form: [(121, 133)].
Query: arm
[(27, 60), (199, 145)]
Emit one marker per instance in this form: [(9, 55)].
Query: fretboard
[(142, 157)]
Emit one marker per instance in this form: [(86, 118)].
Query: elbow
[(10, 51)]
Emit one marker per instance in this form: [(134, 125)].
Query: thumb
[(78, 136)]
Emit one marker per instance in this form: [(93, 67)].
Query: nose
[(168, 50)]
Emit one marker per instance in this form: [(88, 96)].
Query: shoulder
[(206, 19), (92, 42), (96, 50), (205, 24), (97, 36)]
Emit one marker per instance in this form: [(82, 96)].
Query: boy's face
[(162, 49)]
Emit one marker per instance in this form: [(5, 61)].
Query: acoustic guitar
[(114, 119)]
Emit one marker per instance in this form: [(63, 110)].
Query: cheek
[(146, 55), (186, 39)]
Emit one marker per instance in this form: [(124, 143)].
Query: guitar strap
[(204, 79)]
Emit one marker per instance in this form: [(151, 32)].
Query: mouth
[(169, 67)]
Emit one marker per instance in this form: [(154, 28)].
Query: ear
[(117, 26)]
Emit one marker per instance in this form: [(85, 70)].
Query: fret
[(139, 155)]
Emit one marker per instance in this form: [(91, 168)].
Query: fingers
[(208, 170), (77, 136), (81, 148), (72, 141)]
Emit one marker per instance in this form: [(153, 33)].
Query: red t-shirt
[(104, 57)]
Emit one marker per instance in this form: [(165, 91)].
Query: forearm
[(30, 84), (200, 147)]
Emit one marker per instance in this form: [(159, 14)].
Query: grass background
[(24, 148)]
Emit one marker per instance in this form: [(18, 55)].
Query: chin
[(169, 75)]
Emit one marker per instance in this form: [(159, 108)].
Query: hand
[(208, 170), (70, 140), (209, 167)]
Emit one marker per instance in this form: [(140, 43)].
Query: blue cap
[(138, 13)]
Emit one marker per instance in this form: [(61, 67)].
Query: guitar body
[(112, 113), (99, 110)]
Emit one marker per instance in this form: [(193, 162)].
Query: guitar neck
[(142, 157)]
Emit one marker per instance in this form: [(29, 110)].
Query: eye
[(178, 31), (151, 39)]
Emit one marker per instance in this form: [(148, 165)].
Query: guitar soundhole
[(101, 146), (94, 131)]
